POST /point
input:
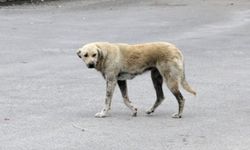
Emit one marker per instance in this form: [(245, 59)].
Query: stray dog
[(118, 62)]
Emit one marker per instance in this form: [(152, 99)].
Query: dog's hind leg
[(173, 85), (124, 91), (171, 73), (157, 81), (181, 102)]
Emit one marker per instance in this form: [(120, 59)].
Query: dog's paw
[(176, 115), (100, 114), (134, 112), (150, 111)]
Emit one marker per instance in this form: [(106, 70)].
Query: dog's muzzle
[(91, 65)]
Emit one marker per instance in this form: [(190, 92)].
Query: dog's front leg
[(110, 86)]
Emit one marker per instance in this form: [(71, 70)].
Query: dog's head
[(90, 54)]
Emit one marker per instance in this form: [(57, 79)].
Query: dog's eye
[(86, 55), (93, 55)]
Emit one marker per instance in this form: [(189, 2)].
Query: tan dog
[(118, 62)]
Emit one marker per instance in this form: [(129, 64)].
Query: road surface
[(48, 97)]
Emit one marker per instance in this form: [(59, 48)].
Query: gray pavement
[(48, 96)]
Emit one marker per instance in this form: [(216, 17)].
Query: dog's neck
[(100, 68), (100, 65)]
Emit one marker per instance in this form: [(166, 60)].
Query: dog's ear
[(78, 53), (100, 53)]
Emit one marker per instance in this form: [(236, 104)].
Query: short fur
[(118, 62)]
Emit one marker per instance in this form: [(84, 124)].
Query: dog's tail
[(185, 84)]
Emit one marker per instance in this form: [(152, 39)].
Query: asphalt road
[(48, 97)]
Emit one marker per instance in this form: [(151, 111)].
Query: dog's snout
[(91, 65)]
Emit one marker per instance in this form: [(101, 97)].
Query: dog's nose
[(91, 66)]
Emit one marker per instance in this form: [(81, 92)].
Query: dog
[(119, 62)]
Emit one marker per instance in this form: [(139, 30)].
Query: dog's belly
[(125, 76), (128, 76)]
